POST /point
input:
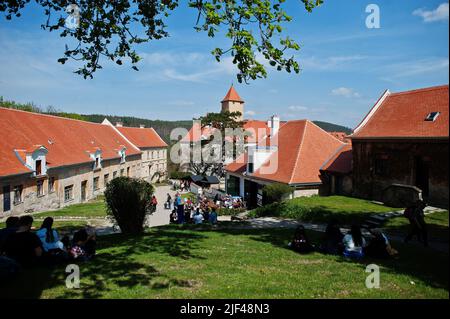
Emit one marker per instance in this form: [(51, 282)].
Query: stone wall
[(65, 176), (399, 167)]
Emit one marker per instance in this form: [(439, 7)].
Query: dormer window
[(98, 162), (122, 155), (431, 117), (38, 167)]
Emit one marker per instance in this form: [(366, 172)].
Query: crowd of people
[(23, 247), (191, 211), (354, 245)]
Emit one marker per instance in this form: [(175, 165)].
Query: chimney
[(274, 124), (119, 124), (141, 126)]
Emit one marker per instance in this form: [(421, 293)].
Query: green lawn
[(437, 226), (93, 209), (322, 208), (188, 262)]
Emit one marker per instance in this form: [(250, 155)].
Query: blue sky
[(345, 66)]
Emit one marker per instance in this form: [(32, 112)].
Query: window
[(115, 174), (18, 194), (250, 168), (38, 167), (40, 188), (121, 172), (97, 163), (51, 184), (128, 171), (68, 193), (106, 179), (122, 156), (431, 117), (95, 183), (381, 166)]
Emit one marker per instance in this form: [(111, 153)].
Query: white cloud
[(438, 14), (250, 113), (345, 92), (416, 67), (297, 108), (330, 63)]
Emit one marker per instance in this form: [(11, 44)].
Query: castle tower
[(232, 102)]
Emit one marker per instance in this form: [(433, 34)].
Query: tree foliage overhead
[(112, 28)]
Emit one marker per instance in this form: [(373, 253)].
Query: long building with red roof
[(402, 143), (48, 162)]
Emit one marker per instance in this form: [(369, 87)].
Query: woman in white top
[(49, 236), (354, 243)]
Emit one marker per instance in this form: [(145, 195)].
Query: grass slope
[(321, 209), (184, 262)]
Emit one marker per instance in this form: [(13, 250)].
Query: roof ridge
[(413, 91), (326, 131), (298, 152), (48, 115)]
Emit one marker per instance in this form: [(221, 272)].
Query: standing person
[(354, 243), (420, 216), (154, 203), (168, 201), (415, 215), (24, 246), (213, 216), (180, 210), (206, 213)]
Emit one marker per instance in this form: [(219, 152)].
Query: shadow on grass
[(113, 267), (419, 263)]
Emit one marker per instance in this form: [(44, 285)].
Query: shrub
[(179, 175), (229, 211), (128, 201), (275, 192)]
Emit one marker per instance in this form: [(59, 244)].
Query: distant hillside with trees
[(162, 127)]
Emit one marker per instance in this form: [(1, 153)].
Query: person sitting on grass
[(300, 243), (83, 246), (50, 239), (354, 243), (333, 239), (24, 246), (12, 224), (213, 216), (379, 246)]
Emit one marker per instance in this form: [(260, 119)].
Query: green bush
[(128, 201), (229, 211), (179, 175), (275, 192)]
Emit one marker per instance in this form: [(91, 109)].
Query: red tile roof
[(142, 137), (340, 162), (259, 130), (303, 147), (402, 115), (67, 141), (232, 95)]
